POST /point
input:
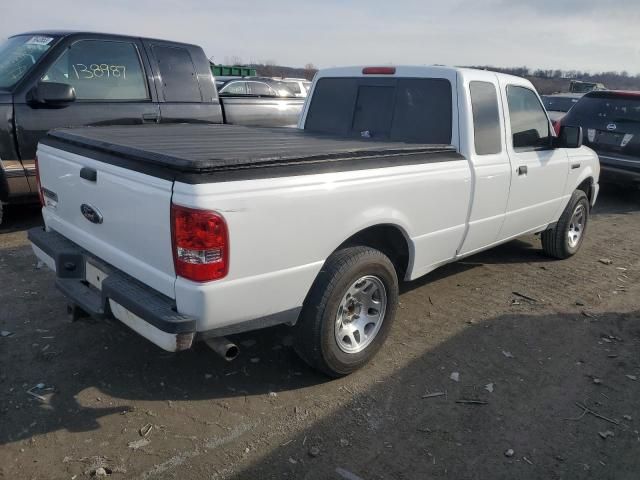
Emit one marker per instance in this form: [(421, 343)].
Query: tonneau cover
[(191, 148)]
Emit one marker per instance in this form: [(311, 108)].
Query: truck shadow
[(20, 217), (391, 428)]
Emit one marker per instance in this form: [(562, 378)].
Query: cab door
[(538, 171), (486, 150), (109, 76)]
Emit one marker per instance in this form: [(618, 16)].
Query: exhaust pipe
[(223, 347)]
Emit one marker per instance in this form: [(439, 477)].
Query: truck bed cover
[(188, 149)]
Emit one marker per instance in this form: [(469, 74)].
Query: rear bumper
[(616, 168), (143, 309)]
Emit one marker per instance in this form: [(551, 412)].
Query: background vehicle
[(559, 104), (611, 126), (300, 86), (59, 79), (579, 86), (394, 172), (256, 86), (247, 100)]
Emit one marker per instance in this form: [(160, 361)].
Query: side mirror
[(569, 137), (53, 95)]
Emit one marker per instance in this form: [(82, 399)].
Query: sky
[(589, 35)]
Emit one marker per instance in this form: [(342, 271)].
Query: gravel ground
[(546, 355)]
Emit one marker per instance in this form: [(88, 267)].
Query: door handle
[(150, 117), (89, 174), (574, 166), (522, 170)]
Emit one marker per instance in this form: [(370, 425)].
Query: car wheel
[(565, 239), (348, 312)]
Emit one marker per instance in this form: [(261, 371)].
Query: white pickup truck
[(187, 232)]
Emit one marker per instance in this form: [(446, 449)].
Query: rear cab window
[(101, 70), (178, 73), (486, 118), (397, 109)]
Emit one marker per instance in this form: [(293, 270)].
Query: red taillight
[(379, 70), (200, 242), (556, 126), (38, 184)]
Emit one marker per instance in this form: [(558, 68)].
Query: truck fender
[(4, 184), (372, 226)]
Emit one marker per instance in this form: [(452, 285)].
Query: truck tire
[(565, 239), (347, 315)]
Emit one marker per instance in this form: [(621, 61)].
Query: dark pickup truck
[(58, 79)]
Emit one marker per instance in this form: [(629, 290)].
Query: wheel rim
[(360, 314), (576, 226)]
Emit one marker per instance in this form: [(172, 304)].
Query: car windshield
[(19, 54), (608, 109), (559, 104)]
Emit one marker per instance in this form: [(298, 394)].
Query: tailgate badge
[(91, 213), (611, 127)]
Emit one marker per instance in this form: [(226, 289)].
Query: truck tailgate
[(119, 215)]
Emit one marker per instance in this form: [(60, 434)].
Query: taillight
[(38, 184), (556, 126), (379, 70), (200, 242)]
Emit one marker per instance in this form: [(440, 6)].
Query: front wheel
[(348, 312), (565, 239)]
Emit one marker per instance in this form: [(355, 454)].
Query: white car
[(300, 86), (187, 232)]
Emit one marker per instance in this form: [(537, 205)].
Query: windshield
[(607, 109), (19, 54)]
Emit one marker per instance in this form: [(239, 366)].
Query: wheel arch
[(587, 185), (391, 239)]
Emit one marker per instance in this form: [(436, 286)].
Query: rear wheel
[(565, 239), (348, 313)]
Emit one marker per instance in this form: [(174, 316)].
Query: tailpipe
[(223, 347)]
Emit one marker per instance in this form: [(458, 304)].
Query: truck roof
[(73, 33), (406, 71)]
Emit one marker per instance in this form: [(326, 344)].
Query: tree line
[(546, 81), (554, 81)]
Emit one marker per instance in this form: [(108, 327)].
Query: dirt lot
[(573, 344)]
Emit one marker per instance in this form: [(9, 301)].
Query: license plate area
[(94, 276), (608, 138)]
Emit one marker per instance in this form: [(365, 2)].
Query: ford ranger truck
[(196, 232), (53, 79)]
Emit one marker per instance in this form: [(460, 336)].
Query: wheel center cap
[(353, 311)]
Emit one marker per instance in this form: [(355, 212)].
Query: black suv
[(611, 126)]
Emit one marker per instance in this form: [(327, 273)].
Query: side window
[(101, 70), (234, 88), (258, 88), (179, 78), (486, 118), (295, 87), (529, 123)]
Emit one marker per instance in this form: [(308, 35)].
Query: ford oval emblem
[(611, 127), (91, 213)]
